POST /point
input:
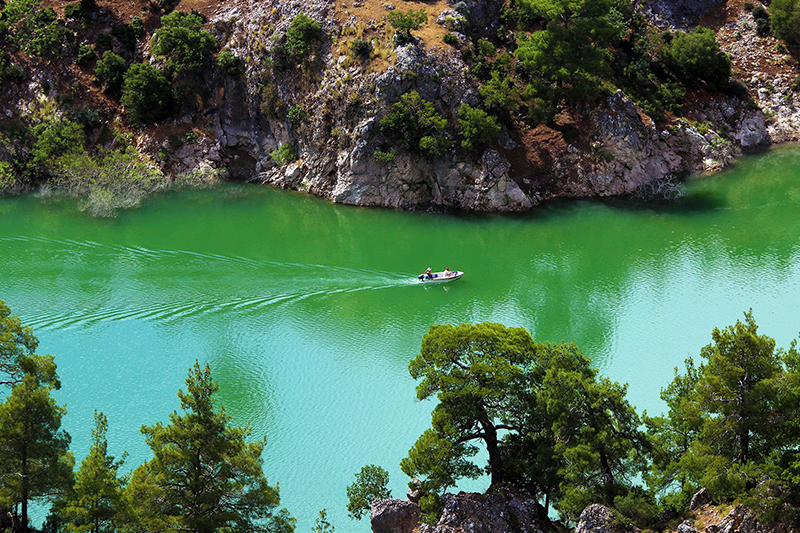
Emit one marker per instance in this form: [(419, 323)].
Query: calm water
[(308, 312)]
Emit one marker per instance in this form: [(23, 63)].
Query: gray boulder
[(740, 520), (700, 498), (388, 515), (598, 518), (488, 513), (680, 12)]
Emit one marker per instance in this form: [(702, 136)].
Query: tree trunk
[(608, 477), (24, 495), (492, 446)]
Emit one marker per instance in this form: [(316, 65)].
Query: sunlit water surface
[(309, 312)]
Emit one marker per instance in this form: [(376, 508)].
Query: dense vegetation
[(552, 427), (204, 475)]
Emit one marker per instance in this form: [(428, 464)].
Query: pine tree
[(35, 463), (18, 356), (204, 477), (93, 503)]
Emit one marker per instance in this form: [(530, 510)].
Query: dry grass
[(372, 14)]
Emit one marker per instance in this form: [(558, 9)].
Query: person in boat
[(428, 274), (447, 272)]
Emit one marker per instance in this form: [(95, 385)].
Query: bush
[(500, 94), (126, 35), (477, 127), (303, 32), (406, 22), (384, 157), (146, 93), (361, 49), (786, 19), (763, 27), (104, 42), (85, 55), (285, 154), (229, 63), (42, 33), (297, 115), (370, 484), (73, 11), (271, 103), (110, 70), (181, 39), (8, 178), (759, 12), (413, 121), (748, 6), (450, 39), (137, 25), (696, 57), (54, 138)]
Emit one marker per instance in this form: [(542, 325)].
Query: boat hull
[(441, 277)]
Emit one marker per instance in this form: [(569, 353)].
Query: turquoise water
[(309, 312)]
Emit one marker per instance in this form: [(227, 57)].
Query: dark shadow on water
[(691, 204)]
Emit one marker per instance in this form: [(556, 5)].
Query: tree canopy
[(204, 476), (549, 424)]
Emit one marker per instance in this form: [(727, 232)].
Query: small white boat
[(440, 277)]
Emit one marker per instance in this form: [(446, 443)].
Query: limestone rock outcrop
[(598, 518), (388, 515), (489, 513)]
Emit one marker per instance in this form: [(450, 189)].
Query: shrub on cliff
[(181, 39), (406, 22), (695, 57), (303, 32), (414, 122), (370, 484), (56, 137), (572, 54), (785, 15), (477, 127), (146, 93), (110, 70)]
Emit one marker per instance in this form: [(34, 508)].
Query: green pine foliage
[(477, 127), (785, 18), (146, 93), (413, 122), (110, 70), (695, 57), (549, 424), (204, 475), (370, 484), (35, 461), (93, 505), (731, 425), (187, 47)]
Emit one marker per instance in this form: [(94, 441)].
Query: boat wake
[(170, 285)]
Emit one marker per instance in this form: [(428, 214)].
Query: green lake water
[(309, 312)]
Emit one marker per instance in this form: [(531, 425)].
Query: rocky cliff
[(517, 513), (612, 148)]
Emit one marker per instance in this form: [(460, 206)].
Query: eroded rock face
[(699, 499), (739, 520), (491, 513), (388, 515), (679, 12), (598, 518)]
